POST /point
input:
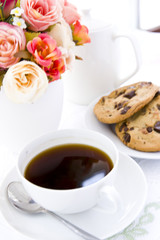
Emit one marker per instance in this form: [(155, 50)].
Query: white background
[(125, 13)]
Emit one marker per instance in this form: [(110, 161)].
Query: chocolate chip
[(120, 93), (125, 129), (125, 109), (149, 129), (157, 94), (127, 137), (102, 100), (158, 106), (157, 127), (129, 95), (145, 83), (131, 129), (143, 111), (119, 106), (122, 126)]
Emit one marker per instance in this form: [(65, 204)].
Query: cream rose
[(62, 33), (25, 82)]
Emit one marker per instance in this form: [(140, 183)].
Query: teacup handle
[(137, 54), (109, 199)]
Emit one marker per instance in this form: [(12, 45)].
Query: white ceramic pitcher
[(97, 73)]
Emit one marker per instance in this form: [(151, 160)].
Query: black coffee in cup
[(68, 166)]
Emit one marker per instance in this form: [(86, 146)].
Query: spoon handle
[(74, 228)]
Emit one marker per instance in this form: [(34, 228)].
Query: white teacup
[(77, 199), (99, 71)]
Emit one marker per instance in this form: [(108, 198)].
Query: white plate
[(108, 130), (131, 185)]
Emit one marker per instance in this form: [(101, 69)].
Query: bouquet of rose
[(37, 39)]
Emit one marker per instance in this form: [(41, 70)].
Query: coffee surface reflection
[(68, 166)]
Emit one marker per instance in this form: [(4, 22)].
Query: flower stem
[(1, 13), (4, 4)]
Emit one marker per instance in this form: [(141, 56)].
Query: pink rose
[(46, 53), (40, 14), (69, 12), (12, 40), (7, 5), (55, 70)]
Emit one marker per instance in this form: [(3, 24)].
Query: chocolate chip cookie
[(124, 102), (142, 130)]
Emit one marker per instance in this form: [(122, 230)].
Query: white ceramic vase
[(21, 123)]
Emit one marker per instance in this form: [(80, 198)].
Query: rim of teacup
[(50, 134)]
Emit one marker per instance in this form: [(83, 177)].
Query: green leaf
[(30, 35), (18, 3), (139, 231), (129, 237), (147, 218), (1, 78), (9, 19), (23, 54)]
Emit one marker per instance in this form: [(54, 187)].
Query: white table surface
[(146, 226)]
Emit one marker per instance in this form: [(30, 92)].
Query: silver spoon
[(20, 199)]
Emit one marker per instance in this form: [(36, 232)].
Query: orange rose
[(80, 33)]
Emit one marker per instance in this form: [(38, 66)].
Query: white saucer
[(108, 130), (131, 185)]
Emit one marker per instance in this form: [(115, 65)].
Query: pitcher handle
[(136, 49)]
